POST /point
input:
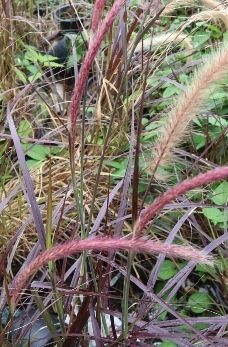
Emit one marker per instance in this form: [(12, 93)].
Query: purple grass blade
[(95, 326), (177, 281), (127, 181), (104, 207), (30, 194), (143, 308), (4, 203), (154, 297)]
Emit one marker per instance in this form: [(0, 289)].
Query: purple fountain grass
[(148, 213), (87, 63), (105, 244), (136, 244), (97, 13)]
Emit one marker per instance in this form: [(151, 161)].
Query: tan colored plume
[(173, 5), (214, 16), (187, 105), (164, 39)]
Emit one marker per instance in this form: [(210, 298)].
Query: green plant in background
[(219, 196), (36, 153), (76, 43), (199, 302), (167, 343), (30, 65)]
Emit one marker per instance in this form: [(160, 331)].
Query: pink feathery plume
[(97, 13), (105, 244), (136, 244), (87, 63), (148, 213)]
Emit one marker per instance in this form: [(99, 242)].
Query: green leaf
[(204, 268), (199, 140), (218, 121), (167, 343), (184, 78), (22, 77), (214, 214), (167, 270), (33, 69), (25, 128), (221, 265), (134, 3), (33, 164), (142, 187), (220, 194), (152, 126), (54, 150), (45, 58), (32, 55), (35, 77), (216, 33), (36, 152), (113, 163), (170, 91), (200, 38), (51, 64), (201, 326), (199, 302)]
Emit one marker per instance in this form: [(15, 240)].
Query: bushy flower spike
[(148, 213), (87, 63), (97, 13), (187, 106), (105, 244)]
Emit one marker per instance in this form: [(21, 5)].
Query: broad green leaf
[(145, 121), (201, 326), (220, 194), (199, 302), (152, 126), (220, 264), (200, 38), (184, 78), (33, 164), (199, 140), (170, 91), (152, 81), (134, 2), (142, 187), (35, 77), (119, 173), (25, 128), (216, 33), (36, 152), (54, 150), (33, 69), (22, 77), (44, 58), (214, 214), (203, 268), (168, 344), (32, 55), (218, 121), (51, 64), (167, 270)]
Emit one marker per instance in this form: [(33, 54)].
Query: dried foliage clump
[(85, 229)]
